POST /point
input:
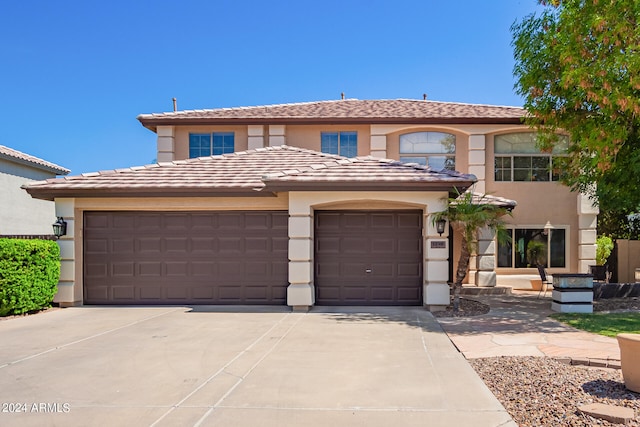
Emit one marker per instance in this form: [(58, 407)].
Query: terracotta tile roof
[(489, 199), (343, 111), (20, 157), (343, 173), (245, 173)]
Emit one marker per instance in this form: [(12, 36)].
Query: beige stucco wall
[(537, 202), (19, 212)]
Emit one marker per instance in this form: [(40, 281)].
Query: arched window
[(435, 149), (518, 158)]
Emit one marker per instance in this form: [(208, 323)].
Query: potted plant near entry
[(604, 246), (629, 358), (536, 255)]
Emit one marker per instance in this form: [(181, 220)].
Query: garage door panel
[(408, 246), (177, 269), (409, 221), (123, 294), (230, 246), (352, 245), (204, 269), (203, 293), (98, 246), (185, 257), (348, 244), (177, 293), (410, 269), (203, 244), (97, 222), (382, 294), (122, 246), (98, 292), (257, 244), (150, 293), (176, 244), (122, 269), (149, 244), (383, 220), (383, 246)]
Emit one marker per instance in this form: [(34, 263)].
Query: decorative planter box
[(572, 293), (571, 280)]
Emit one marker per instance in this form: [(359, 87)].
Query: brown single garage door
[(368, 257), (185, 257)]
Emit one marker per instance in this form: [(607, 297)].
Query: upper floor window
[(434, 149), (529, 247), (518, 158), (341, 143), (207, 144)]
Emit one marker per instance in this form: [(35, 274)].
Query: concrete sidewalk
[(238, 366), (518, 325)]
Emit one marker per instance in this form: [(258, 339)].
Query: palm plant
[(468, 214)]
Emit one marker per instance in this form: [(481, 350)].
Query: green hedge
[(29, 273)]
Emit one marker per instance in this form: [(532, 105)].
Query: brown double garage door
[(185, 257), (241, 257)]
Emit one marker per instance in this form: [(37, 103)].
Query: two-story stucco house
[(313, 203), (21, 214)]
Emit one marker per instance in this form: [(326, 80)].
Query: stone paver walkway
[(518, 325)]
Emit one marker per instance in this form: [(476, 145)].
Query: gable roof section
[(258, 172), (405, 111), (35, 162)]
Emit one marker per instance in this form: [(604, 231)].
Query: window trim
[(339, 136), (212, 136), (553, 177), (426, 155), (526, 270)]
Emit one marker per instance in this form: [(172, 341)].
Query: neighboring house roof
[(343, 111), (26, 159), (253, 173)]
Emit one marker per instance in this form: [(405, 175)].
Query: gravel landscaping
[(540, 391)]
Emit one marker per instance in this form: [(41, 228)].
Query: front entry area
[(368, 257)]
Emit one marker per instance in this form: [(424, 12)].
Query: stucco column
[(485, 274), (477, 160), (256, 136), (166, 143), (436, 262), (300, 292), (69, 292), (277, 135), (587, 223)]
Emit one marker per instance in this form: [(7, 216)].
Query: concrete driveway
[(237, 366)]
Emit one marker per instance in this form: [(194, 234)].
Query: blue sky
[(75, 74)]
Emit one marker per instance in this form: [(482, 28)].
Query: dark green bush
[(29, 273)]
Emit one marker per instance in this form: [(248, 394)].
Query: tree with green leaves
[(578, 68), (469, 214)]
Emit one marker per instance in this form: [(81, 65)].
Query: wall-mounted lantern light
[(440, 225), (60, 227)]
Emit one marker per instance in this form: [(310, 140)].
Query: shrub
[(604, 246), (29, 273)]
